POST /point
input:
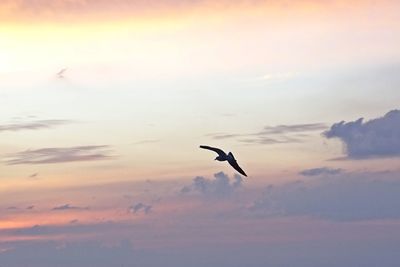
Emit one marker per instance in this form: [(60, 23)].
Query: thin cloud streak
[(69, 207), (59, 155), (271, 141), (280, 134), (294, 128), (320, 171), (33, 125), (148, 141)]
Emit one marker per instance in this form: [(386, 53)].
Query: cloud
[(356, 250), (69, 207), (280, 134), (320, 171), (221, 186), (343, 197), (295, 128), (225, 136), (140, 207), (263, 140), (148, 141), (33, 125), (375, 138), (195, 238), (79, 254), (59, 155), (70, 229), (31, 231)]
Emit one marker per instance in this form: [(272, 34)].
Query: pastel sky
[(103, 105)]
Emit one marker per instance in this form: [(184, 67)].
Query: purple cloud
[(343, 197), (375, 138), (140, 207)]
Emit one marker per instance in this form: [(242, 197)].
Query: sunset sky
[(100, 164)]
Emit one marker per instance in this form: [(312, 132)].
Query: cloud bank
[(344, 197)]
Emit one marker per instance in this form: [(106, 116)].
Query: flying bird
[(34, 175), (60, 74), (222, 156)]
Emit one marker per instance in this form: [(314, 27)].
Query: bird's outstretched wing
[(60, 74), (219, 151), (232, 161)]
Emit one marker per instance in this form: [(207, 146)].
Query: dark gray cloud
[(59, 155), (32, 125), (221, 186), (280, 134), (69, 207), (375, 138), (343, 197), (140, 207), (320, 171)]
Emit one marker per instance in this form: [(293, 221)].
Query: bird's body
[(222, 156), (60, 74)]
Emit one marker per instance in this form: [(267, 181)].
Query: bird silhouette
[(222, 156), (60, 74)]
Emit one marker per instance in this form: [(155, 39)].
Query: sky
[(103, 106)]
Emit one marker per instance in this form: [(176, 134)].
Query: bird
[(33, 175), (222, 156), (60, 74)]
